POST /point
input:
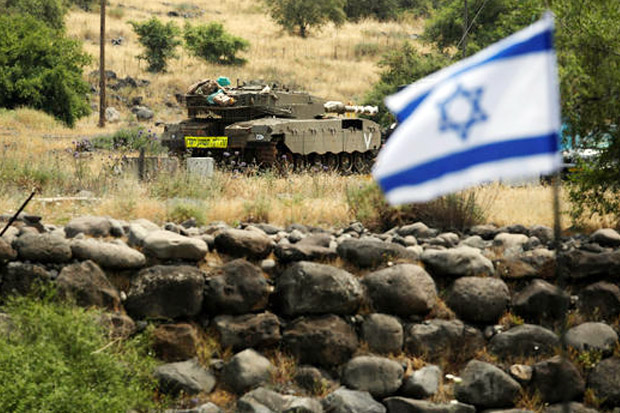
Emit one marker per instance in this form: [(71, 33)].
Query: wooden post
[(465, 27), (102, 105), (141, 165)]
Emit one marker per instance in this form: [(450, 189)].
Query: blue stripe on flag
[(541, 42), (516, 148)]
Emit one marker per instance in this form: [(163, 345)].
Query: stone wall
[(411, 320)]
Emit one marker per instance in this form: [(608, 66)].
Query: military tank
[(269, 125)]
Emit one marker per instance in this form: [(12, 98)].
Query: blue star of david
[(476, 115)]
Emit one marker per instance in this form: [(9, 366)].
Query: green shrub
[(58, 359), (117, 13), (132, 139), (365, 49), (180, 210), (301, 15), (50, 12), (42, 69), (213, 44), (159, 40), (86, 5)]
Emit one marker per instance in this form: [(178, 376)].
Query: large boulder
[(87, 285), (344, 400), (592, 337), (253, 245), (166, 291), (303, 252), (405, 405), (20, 278), (457, 262), (175, 342), (443, 339), (7, 253), (379, 376), (418, 230), (422, 383), (601, 298), (324, 340), (524, 340), (312, 288), (510, 244), (262, 400), (538, 263), (573, 407), (557, 380), (237, 287), (188, 377), (248, 330), (403, 290), (246, 370), (383, 333), (113, 255), (605, 381), (44, 248), (167, 245), (93, 226), (370, 253), (480, 300), (486, 386), (540, 302), (606, 237), (138, 229), (579, 264)]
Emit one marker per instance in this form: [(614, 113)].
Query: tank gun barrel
[(341, 108)]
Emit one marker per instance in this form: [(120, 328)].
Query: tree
[(159, 40), (304, 14), (382, 10), (52, 12), (41, 68), (213, 44)]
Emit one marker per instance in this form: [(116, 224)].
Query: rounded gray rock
[(245, 370), (524, 340), (605, 381), (344, 400), (601, 298), (422, 383), (370, 253), (244, 244), (89, 225), (248, 330), (166, 245), (114, 255), (592, 337), (186, 376), (312, 288), (44, 248), (378, 376), (443, 339), (403, 290), (457, 262), (540, 301), (479, 299), (606, 237), (557, 380), (87, 284), (383, 333), (486, 386)]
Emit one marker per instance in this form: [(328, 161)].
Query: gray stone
[(443, 339), (606, 237), (44, 248), (175, 342), (474, 241), (573, 407), (486, 386), (539, 263), (578, 264), (87, 285), (113, 255), (522, 373), (138, 229), (370, 253), (510, 244), (142, 112), (418, 230), (268, 229), (166, 291), (166, 245), (457, 262), (543, 233), (248, 330), (20, 278), (524, 340), (6, 252), (486, 232), (557, 380), (422, 383), (540, 302), (323, 341), (601, 299), (311, 379), (186, 376), (117, 325), (344, 400), (261, 400), (479, 299), (303, 405), (89, 225), (405, 405), (605, 381), (303, 252), (592, 337), (312, 288), (403, 290), (112, 115), (379, 376), (237, 287), (383, 333), (243, 244), (246, 370)]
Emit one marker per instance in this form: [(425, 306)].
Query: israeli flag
[(494, 115)]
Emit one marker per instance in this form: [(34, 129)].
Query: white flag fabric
[(494, 115)]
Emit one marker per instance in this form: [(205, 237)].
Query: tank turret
[(268, 124)]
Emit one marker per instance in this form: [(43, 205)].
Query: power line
[(471, 24)]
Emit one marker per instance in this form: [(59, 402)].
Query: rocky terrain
[(411, 320)]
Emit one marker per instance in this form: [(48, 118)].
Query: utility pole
[(102, 68), (465, 28)]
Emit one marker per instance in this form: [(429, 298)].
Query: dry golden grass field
[(36, 151)]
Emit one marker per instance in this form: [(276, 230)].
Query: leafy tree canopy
[(41, 68), (159, 40), (52, 12), (301, 15), (213, 44)]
